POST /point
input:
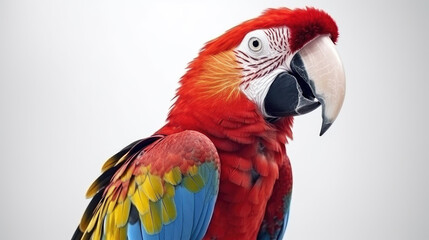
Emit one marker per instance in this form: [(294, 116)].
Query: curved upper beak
[(317, 73)]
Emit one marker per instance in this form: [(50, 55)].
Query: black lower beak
[(289, 95)]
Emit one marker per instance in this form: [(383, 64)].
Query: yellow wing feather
[(152, 220), (92, 223), (168, 210), (193, 183), (121, 213), (169, 190), (140, 201), (153, 187), (174, 176), (131, 189)]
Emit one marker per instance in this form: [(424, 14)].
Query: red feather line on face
[(276, 36), (254, 68)]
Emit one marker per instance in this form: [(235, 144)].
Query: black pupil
[(255, 43)]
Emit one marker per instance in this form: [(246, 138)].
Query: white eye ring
[(255, 44)]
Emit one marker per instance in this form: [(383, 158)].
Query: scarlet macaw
[(218, 168)]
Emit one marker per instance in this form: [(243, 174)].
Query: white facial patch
[(257, 90), (263, 54)]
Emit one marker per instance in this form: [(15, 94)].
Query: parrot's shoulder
[(147, 182), (190, 145)]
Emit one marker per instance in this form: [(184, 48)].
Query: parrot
[(218, 168)]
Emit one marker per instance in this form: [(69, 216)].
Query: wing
[(155, 188), (273, 226)]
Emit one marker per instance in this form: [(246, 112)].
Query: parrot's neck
[(231, 126)]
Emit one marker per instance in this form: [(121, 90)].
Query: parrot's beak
[(316, 78)]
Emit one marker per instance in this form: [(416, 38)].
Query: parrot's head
[(281, 64)]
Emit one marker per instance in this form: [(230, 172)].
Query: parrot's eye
[(255, 44)]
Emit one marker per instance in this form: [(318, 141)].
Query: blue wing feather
[(187, 199), (147, 236), (208, 205), (134, 231), (198, 208), (208, 209), (178, 223), (169, 230)]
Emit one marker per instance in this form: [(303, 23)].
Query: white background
[(81, 79)]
